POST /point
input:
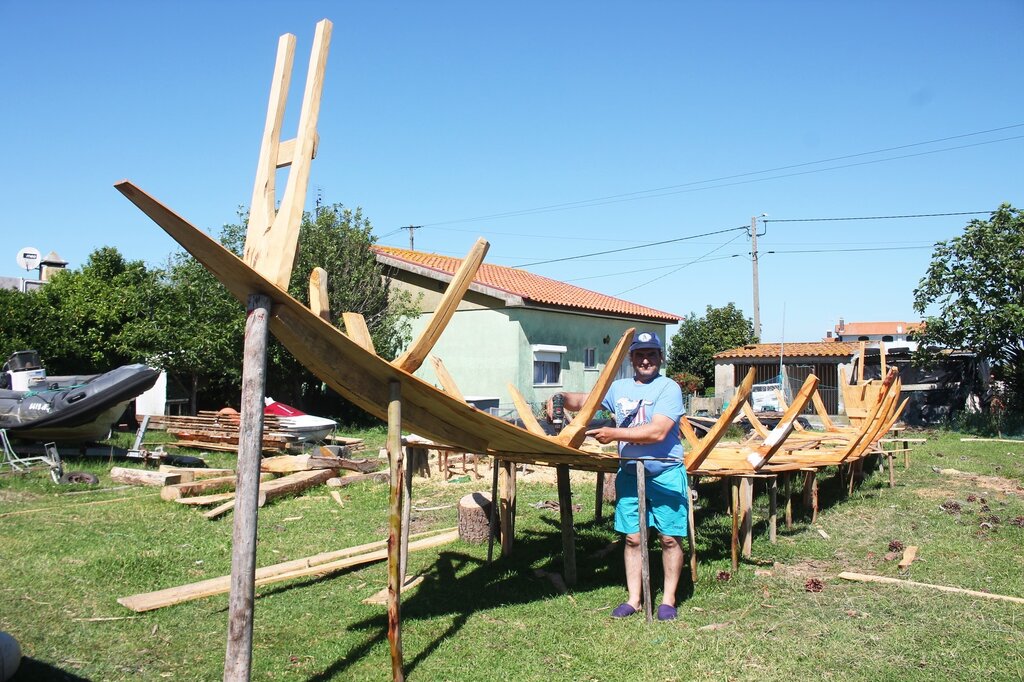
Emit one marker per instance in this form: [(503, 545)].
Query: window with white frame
[(547, 364), (589, 358)]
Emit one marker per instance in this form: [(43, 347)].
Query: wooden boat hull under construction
[(358, 375)]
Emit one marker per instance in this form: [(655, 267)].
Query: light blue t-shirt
[(660, 396)]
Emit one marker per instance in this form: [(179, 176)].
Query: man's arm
[(654, 431), (572, 402)]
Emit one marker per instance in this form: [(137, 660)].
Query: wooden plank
[(326, 561), (283, 464), (146, 477), (574, 433), (867, 578), (355, 327), (196, 473), (194, 488), (909, 554), (413, 357)]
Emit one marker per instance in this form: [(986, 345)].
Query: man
[(647, 410)]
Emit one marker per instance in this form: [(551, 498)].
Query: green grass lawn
[(65, 565)]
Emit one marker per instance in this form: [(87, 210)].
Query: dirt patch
[(996, 483), (803, 570)]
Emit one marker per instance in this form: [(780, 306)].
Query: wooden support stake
[(692, 528), (788, 485), (773, 508), (394, 446), (568, 532), (507, 483), (746, 505), (734, 488), (238, 654), (599, 497), (645, 560), (494, 509)]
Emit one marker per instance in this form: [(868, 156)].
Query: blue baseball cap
[(646, 340)]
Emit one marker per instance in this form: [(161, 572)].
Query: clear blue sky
[(639, 122)]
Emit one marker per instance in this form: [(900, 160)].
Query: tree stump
[(475, 517)]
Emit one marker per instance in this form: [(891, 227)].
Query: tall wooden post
[(238, 656), (568, 532), (394, 446), (645, 558)]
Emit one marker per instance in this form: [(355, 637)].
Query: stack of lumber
[(215, 431), (208, 487)]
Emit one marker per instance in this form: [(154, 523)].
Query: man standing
[(647, 411)]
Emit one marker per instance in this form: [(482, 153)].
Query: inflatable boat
[(76, 408)]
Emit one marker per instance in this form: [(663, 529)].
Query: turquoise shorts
[(667, 498)]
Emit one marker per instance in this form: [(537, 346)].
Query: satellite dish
[(28, 258)]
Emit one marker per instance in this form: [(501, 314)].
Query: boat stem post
[(238, 656)]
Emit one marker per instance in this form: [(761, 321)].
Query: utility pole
[(412, 229), (753, 261)]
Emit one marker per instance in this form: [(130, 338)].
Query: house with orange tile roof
[(512, 326), (794, 360), (890, 333)]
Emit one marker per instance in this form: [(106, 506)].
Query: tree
[(976, 281), (96, 318), (693, 347)]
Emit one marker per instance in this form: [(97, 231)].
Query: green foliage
[(693, 347), (96, 318), (976, 281)]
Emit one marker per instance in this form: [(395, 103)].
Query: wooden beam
[(325, 562), (143, 477), (866, 578), (286, 151), (413, 357), (394, 447)]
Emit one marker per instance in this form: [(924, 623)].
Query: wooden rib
[(411, 359), (819, 407), (447, 382), (318, 301), (355, 327), (525, 412), (785, 406), (264, 194), (778, 435), (574, 433), (689, 434), (271, 251), (759, 428), (696, 457), (881, 355)]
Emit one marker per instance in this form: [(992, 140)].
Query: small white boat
[(304, 427)]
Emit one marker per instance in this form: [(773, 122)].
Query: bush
[(688, 382)]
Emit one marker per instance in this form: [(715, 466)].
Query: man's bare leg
[(633, 568), (672, 565)]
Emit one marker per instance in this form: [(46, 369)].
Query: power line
[(630, 248), (880, 248), (873, 217), (663, 191), (685, 265)]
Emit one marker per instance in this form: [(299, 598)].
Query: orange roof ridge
[(529, 286)]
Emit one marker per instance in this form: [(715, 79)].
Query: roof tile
[(774, 350), (531, 287)]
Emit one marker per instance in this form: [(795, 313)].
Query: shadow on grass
[(32, 670)]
